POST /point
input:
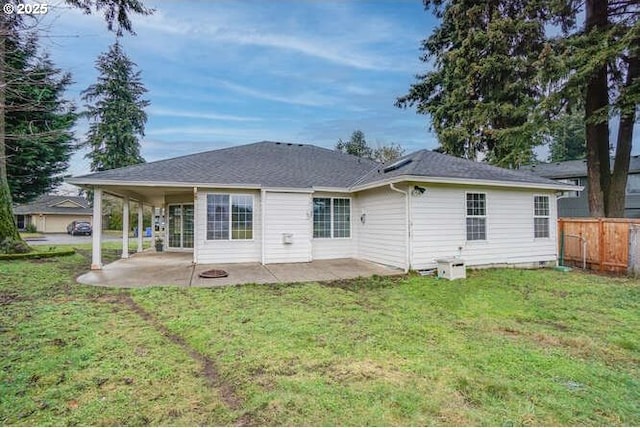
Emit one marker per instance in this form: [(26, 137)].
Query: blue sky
[(229, 72), (223, 73)]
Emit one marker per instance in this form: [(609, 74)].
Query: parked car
[(79, 228)]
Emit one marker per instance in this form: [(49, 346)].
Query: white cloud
[(158, 111), (311, 99)]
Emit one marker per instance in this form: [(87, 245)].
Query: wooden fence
[(602, 244)]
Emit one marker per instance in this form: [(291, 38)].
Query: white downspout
[(407, 226), (263, 209)]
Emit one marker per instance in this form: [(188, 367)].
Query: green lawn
[(504, 347)]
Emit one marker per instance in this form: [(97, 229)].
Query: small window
[(541, 216), (476, 216), (572, 193), (229, 217), (331, 217), (633, 183)]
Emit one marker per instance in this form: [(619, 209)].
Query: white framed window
[(229, 217), (633, 183), (572, 193), (540, 216), (476, 216), (331, 217)]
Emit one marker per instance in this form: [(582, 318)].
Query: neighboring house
[(576, 203), (282, 203), (52, 213)]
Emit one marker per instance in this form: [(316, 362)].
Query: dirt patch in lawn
[(208, 372)]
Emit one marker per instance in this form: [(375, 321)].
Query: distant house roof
[(572, 168), (426, 163), (273, 164), (55, 204)]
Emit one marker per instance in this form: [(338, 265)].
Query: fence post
[(634, 250), (601, 244)]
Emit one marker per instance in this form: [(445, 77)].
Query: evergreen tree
[(499, 78), (117, 112), (358, 146), (567, 136), (116, 14), (482, 89), (38, 121)]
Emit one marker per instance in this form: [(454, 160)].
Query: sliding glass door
[(181, 226)]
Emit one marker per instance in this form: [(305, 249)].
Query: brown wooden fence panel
[(607, 242), (634, 250)]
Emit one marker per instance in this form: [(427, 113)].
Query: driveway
[(149, 269)]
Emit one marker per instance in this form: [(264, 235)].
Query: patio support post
[(125, 228), (140, 226), (195, 225), (96, 249)]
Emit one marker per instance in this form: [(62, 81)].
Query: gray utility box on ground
[(451, 268)]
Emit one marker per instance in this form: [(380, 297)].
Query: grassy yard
[(504, 347)]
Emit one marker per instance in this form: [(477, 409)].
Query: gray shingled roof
[(426, 163), (572, 168), (46, 204), (268, 164), (271, 164)]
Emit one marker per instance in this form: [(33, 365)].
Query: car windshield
[(83, 225)]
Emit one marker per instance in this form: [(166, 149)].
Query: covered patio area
[(151, 269)]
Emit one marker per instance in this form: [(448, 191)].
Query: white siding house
[(382, 227), (292, 203), (287, 227), (439, 227)]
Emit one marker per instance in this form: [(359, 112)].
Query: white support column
[(140, 226), (125, 228), (195, 225), (96, 245)]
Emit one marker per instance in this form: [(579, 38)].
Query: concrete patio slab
[(150, 269)]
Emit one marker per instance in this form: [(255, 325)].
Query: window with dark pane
[(341, 218), (322, 217), (541, 216), (476, 217)]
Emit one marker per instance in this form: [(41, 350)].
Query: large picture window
[(476, 216), (229, 217), (541, 216), (331, 217)]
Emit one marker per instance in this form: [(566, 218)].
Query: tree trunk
[(597, 100), (617, 189), (8, 228)]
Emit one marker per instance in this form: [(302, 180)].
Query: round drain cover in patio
[(214, 273)]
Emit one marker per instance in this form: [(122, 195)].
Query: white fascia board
[(468, 182), (332, 189), (287, 190), (119, 183)]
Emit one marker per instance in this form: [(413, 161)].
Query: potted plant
[(159, 243)]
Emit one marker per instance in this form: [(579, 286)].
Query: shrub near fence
[(602, 244)]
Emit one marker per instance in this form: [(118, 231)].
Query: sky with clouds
[(229, 72), (222, 73)]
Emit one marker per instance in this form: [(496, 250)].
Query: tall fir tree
[(117, 16), (116, 111), (357, 145), (567, 138), (38, 120), (499, 77), (481, 91)]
